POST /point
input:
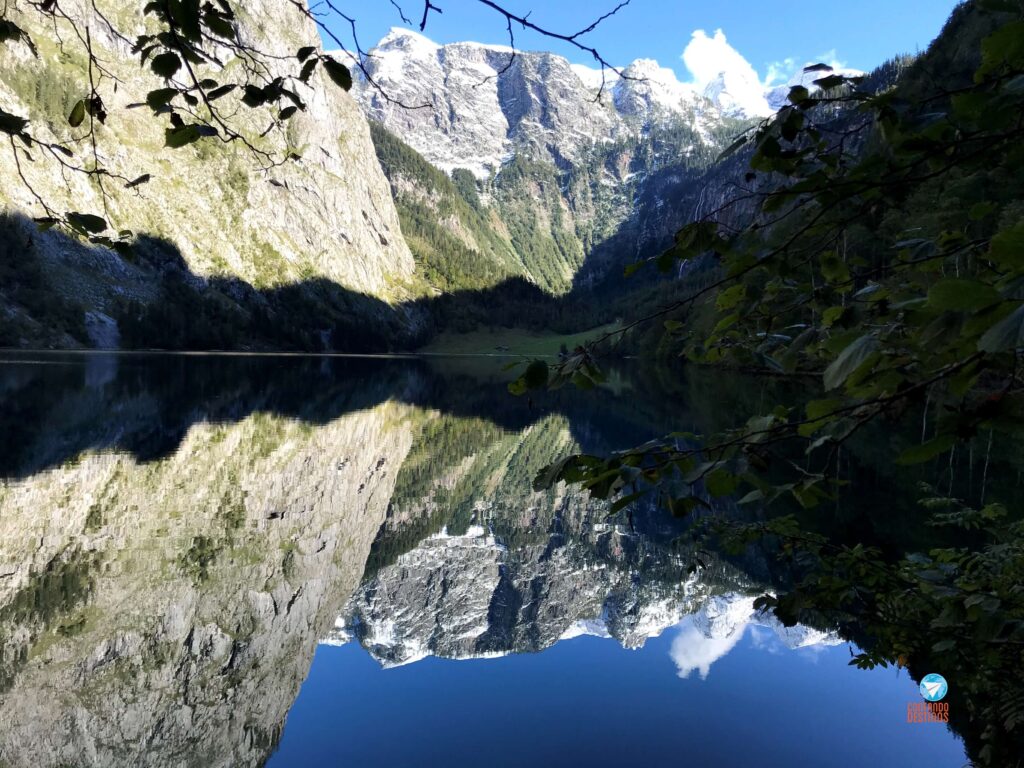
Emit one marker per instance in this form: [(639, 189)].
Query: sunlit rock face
[(166, 613), (515, 571), (470, 596), (329, 215), (532, 569), (568, 157), (476, 105)]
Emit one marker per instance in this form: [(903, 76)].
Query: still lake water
[(293, 561)]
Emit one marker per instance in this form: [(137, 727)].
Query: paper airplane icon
[(933, 688)]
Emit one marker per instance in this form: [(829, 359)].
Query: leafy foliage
[(198, 52), (883, 255)]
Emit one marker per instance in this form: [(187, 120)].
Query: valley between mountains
[(455, 187)]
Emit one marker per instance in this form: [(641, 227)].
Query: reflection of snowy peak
[(719, 625), (469, 596)]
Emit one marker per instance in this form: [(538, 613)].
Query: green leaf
[(820, 409), (980, 211), (733, 148), (725, 323), (551, 474), (833, 269), (219, 25), (959, 295), (625, 501), (338, 72), (187, 134), (849, 360), (721, 482), (160, 98), (754, 495), (87, 222), (798, 94), (307, 70), (827, 83), (581, 381), (11, 124), (166, 65), (224, 90), (1007, 334), (1007, 248), (730, 297), (77, 116), (683, 505), (1003, 48), (535, 377), (919, 454), (831, 315), (186, 15)]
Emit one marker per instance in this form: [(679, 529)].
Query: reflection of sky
[(587, 701), (693, 652), (710, 634)]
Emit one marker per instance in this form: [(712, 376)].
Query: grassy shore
[(511, 341)]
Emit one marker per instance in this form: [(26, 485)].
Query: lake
[(212, 560)]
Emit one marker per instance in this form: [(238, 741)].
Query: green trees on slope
[(453, 238)]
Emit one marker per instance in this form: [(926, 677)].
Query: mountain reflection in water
[(179, 535)]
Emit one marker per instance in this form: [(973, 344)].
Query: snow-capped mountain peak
[(649, 90), (485, 106), (407, 39)]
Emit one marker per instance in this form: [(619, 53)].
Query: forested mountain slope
[(563, 169)]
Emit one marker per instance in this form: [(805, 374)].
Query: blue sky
[(858, 34)]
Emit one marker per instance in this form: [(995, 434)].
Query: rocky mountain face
[(510, 571), (583, 172), (166, 613), (328, 217), (562, 157), (474, 106)]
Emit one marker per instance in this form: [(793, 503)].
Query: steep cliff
[(327, 217), (165, 614)]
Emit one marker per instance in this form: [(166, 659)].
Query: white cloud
[(722, 622), (693, 651), (723, 73), (720, 71), (831, 58), (707, 58), (780, 71)]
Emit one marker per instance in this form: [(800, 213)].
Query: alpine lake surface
[(220, 560)]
